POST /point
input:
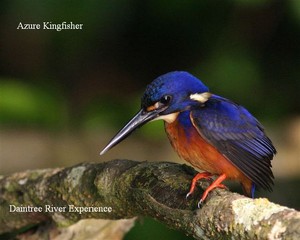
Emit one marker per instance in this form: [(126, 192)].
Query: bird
[(215, 135)]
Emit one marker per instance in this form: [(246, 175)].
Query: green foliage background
[(245, 50)]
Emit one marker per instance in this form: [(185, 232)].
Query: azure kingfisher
[(210, 132)]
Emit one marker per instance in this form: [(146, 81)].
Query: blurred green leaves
[(252, 3), (148, 229), (294, 7), (105, 111), (234, 73), (30, 106), (244, 50)]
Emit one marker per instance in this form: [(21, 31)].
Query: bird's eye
[(165, 99)]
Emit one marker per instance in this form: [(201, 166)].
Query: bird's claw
[(200, 203), (189, 193)]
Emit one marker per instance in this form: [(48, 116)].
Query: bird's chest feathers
[(189, 144)]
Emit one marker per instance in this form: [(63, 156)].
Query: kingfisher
[(215, 135)]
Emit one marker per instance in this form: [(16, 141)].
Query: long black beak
[(141, 118)]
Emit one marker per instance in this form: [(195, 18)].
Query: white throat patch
[(168, 118), (200, 97)]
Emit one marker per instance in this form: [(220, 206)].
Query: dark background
[(64, 94)]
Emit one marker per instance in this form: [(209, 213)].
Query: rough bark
[(132, 189)]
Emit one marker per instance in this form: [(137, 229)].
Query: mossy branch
[(132, 189)]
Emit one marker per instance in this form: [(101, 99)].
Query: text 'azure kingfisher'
[(211, 132)]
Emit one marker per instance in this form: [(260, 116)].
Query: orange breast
[(190, 146)]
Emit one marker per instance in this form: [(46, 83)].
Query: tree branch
[(129, 189)]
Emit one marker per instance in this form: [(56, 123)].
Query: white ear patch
[(200, 97)]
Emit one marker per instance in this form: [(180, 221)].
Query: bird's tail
[(249, 188)]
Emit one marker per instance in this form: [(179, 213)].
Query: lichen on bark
[(133, 189)]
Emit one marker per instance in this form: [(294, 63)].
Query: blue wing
[(238, 136)]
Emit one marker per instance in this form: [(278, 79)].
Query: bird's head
[(165, 98)]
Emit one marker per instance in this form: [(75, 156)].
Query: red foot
[(205, 175), (215, 184)]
